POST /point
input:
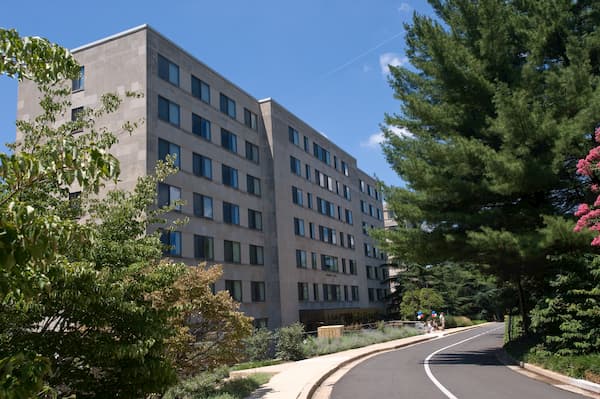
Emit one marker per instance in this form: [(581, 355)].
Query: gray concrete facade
[(287, 206)]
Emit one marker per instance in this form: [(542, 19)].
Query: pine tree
[(501, 98)]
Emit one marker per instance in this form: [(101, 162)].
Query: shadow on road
[(487, 357)]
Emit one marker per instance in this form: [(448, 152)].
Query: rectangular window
[(379, 214), (228, 140), (167, 148), (200, 90), (371, 210), (309, 200), (327, 235), (352, 266), (168, 196), (231, 213), (351, 241), (229, 176), (201, 127), (303, 291), (344, 268), (371, 292), (77, 116), (203, 206), (171, 241), (355, 293), (341, 239), (346, 297), (258, 291), (294, 136), (306, 148), (316, 291), (365, 228), (331, 292), (257, 255), (254, 220), (295, 166), (311, 228), (78, 84), (329, 263), (235, 289), (301, 258), (227, 105), (367, 249), (203, 247), (307, 172), (322, 154), (299, 227), (231, 251), (349, 218), (345, 168), (252, 153), (168, 111), (168, 71), (335, 162), (202, 166), (370, 272), (250, 119), (297, 196), (253, 185), (314, 260), (362, 186), (347, 193)]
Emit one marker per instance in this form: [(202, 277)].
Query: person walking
[(442, 321)]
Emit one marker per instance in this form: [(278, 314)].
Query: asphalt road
[(467, 370)]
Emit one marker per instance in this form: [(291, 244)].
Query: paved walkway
[(300, 379)]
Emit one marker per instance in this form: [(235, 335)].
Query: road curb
[(553, 375), (314, 386)]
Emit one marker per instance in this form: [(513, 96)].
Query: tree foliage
[(496, 99), (87, 304), (423, 299)]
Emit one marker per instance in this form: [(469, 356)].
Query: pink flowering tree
[(589, 216)]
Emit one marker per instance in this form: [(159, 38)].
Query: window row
[(379, 294), (371, 191), (323, 206), (203, 207), (370, 210), (377, 273), (325, 234), (169, 71), (202, 167), (319, 152), (204, 248), (330, 292), (235, 288), (328, 263), (168, 111), (371, 251), (323, 180)]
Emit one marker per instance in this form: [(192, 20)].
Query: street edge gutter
[(586, 385), (313, 388)]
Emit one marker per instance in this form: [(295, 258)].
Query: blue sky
[(324, 60)]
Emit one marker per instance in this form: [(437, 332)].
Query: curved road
[(464, 365)]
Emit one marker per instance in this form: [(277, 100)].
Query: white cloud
[(393, 59), (404, 7), (376, 139)]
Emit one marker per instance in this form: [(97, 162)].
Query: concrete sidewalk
[(300, 379)]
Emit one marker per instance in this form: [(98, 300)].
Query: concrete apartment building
[(281, 207)]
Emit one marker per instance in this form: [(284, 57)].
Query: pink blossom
[(594, 227), (596, 241), (583, 209), (584, 168), (597, 202), (595, 188), (597, 134), (593, 155)]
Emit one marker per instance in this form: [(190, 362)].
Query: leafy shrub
[(200, 386), (259, 346), (289, 342), (458, 321)]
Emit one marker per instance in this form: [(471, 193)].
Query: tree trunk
[(522, 307)]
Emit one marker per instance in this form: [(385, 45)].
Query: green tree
[(423, 299), (496, 97)]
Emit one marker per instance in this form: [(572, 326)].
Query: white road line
[(442, 388)]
